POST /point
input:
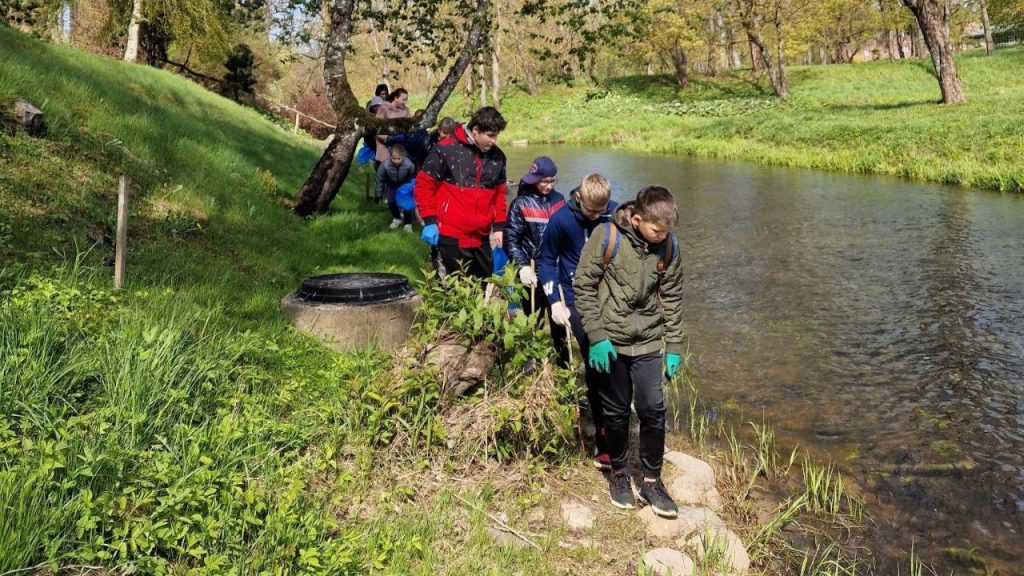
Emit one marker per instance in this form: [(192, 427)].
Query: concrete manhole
[(356, 310)]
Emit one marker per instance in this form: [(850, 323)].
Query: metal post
[(122, 232)]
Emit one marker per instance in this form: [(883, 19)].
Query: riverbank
[(878, 117), (181, 424)]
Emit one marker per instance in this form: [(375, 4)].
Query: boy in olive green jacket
[(629, 295)]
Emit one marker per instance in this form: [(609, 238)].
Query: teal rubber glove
[(429, 234), (671, 365), (601, 355)]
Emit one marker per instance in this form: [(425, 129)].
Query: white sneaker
[(408, 228), (395, 223)]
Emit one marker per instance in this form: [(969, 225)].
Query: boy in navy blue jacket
[(588, 207), (528, 216)]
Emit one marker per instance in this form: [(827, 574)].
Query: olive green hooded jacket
[(628, 303)]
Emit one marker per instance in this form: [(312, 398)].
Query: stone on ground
[(723, 549), (668, 561), (692, 520), (658, 527), (577, 516), (696, 472), (686, 493)]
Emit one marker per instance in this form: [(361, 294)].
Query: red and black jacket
[(462, 190), (528, 216)]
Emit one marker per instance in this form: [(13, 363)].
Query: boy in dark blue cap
[(528, 215)]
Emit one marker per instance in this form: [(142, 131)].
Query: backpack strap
[(668, 251), (611, 243)]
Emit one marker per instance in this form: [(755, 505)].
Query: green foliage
[(241, 75)]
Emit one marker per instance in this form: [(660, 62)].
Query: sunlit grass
[(879, 117)]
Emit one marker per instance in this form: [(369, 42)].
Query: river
[(876, 322)]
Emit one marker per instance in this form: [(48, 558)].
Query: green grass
[(878, 117)]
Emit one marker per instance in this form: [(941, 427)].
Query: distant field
[(878, 117)]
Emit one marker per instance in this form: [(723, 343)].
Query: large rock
[(462, 367), (577, 516), (664, 561), (30, 118), (722, 549), (692, 481), (696, 472), (689, 521), (685, 493)]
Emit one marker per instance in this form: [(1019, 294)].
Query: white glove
[(527, 276), (560, 314)]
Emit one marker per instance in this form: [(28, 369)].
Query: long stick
[(497, 520), (533, 289), (568, 329), (122, 233), (568, 343)]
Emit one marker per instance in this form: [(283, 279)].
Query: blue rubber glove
[(599, 356), (429, 234), (671, 365)]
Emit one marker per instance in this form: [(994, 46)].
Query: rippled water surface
[(878, 322)]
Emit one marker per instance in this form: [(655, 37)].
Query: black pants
[(636, 379), (477, 262), (594, 380)]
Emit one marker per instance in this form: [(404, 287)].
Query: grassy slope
[(182, 425), (878, 117), (196, 159)]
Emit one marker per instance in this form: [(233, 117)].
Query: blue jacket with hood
[(566, 233)]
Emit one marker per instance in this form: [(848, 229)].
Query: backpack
[(611, 248)]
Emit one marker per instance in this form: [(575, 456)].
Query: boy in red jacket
[(460, 193)]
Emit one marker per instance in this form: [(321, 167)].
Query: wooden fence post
[(297, 118), (122, 232)]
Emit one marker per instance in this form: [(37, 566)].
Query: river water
[(874, 321)]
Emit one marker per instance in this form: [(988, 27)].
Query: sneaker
[(621, 490), (653, 492), (395, 223), (603, 462), (407, 228)]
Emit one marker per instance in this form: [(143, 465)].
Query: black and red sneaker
[(603, 462), (653, 492), (621, 490)]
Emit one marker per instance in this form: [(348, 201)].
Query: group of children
[(610, 276), (398, 157)]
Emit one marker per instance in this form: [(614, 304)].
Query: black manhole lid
[(355, 288)]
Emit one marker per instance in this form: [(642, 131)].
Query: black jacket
[(527, 218)]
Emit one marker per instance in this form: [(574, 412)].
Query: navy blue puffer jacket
[(527, 217)]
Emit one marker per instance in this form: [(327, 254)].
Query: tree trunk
[(482, 78), (679, 63), (496, 59), (353, 120), (780, 80), (131, 48), (756, 58), (714, 56), (329, 174), (528, 74), (776, 67), (933, 19), (990, 47)]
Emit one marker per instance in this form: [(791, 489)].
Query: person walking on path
[(393, 107), (629, 294), (398, 170), (588, 207), (460, 194), (528, 214)]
